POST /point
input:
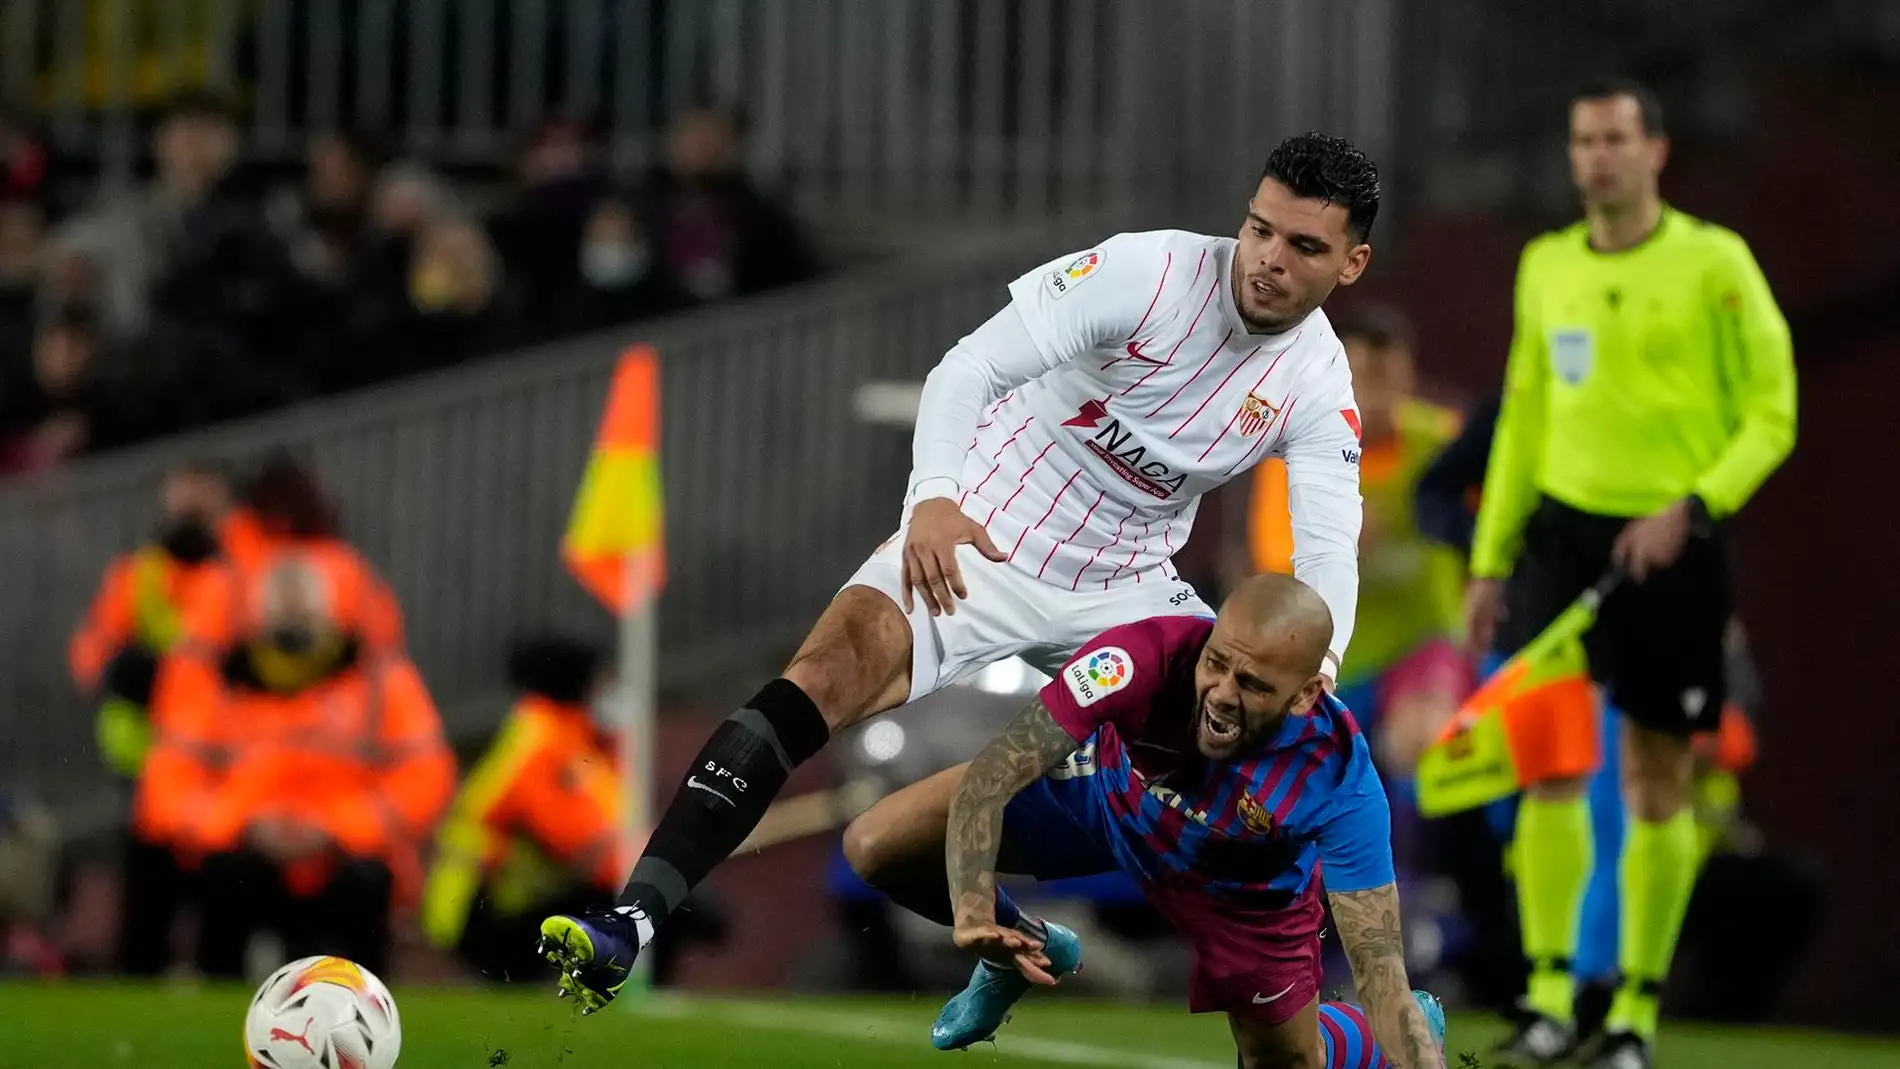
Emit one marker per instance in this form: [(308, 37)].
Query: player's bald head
[(1281, 619), (1260, 664)]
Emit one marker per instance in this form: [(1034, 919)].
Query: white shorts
[(1011, 613)]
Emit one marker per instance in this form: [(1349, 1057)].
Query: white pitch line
[(834, 1025)]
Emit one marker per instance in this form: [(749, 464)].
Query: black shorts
[(1657, 645)]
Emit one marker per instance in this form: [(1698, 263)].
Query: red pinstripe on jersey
[(1116, 541), (1045, 516), (997, 457), (1079, 528), (1166, 266), (1190, 330), (1236, 415)]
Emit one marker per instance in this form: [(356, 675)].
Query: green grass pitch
[(151, 1027)]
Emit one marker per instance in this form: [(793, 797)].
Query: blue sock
[(1010, 915), (1349, 1042)]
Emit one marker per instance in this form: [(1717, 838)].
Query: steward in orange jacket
[(144, 604), (537, 824), (287, 511), (305, 767)]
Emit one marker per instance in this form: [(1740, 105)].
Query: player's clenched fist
[(937, 528)]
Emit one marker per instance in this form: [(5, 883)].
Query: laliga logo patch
[(1060, 281), (1255, 816), (1098, 675)]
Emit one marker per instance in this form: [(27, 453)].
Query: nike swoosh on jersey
[(1135, 353)]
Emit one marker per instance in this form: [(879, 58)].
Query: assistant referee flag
[(615, 543), (1636, 379), (1534, 720)]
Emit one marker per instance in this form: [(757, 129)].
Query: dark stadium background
[(456, 485)]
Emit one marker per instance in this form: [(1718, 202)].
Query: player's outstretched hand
[(1006, 947), (937, 528)]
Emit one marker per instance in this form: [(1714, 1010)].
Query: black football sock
[(724, 796)]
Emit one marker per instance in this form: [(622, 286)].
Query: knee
[(856, 662), (1656, 798), (1558, 790), (1658, 775), (864, 847)]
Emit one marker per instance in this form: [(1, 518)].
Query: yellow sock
[(1553, 856), (1659, 868)]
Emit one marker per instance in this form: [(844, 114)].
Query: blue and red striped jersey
[(1256, 828)]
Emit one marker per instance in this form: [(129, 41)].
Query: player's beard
[(1289, 312), (1240, 734)]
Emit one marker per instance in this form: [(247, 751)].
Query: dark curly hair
[(1331, 169)]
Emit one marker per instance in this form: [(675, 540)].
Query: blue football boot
[(981, 1008), (1434, 1011), (594, 952)]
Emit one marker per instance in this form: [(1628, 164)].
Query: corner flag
[(615, 544), (1535, 719), (616, 548)]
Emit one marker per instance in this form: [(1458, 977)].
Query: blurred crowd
[(219, 289), (290, 788)]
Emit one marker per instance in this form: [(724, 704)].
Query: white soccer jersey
[(1084, 448)]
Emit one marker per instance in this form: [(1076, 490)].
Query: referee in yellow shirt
[(1650, 391)]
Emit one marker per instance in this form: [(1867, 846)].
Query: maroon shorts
[(1263, 965)]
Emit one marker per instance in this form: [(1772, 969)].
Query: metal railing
[(994, 108), (459, 487)]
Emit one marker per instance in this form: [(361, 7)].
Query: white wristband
[(934, 486)]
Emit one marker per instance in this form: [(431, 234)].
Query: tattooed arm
[(1031, 745), (1368, 924)]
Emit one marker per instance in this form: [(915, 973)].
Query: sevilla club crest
[(1256, 415)]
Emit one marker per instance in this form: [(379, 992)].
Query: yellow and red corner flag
[(1535, 719), (615, 544)]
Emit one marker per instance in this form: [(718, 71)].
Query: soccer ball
[(322, 1013)]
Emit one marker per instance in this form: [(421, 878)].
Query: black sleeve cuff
[(1701, 523)]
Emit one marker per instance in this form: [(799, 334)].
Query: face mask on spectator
[(611, 266), (188, 540), (432, 287), (293, 640), (290, 658)]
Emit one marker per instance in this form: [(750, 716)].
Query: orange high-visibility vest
[(365, 606), (540, 812), (146, 598), (359, 755), (551, 777)]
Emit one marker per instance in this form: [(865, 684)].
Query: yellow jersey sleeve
[(1756, 357), (1510, 477)]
